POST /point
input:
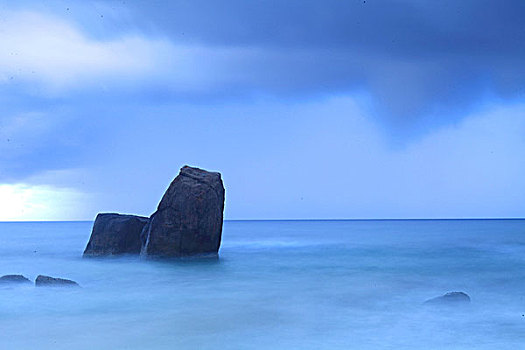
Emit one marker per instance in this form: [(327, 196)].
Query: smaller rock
[(451, 298), (47, 281), (14, 279), (115, 234)]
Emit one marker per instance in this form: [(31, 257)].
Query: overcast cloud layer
[(310, 109)]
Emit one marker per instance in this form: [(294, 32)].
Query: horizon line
[(317, 219)]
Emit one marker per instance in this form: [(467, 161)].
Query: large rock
[(47, 281), (14, 279), (188, 220), (452, 298), (115, 234)]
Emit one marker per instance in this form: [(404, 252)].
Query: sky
[(309, 109)]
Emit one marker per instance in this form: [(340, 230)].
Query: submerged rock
[(47, 281), (452, 298), (115, 234), (14, 279), (188, 220)]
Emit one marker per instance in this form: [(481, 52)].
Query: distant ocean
[(277, 285)]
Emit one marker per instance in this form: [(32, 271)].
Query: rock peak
[(198, 172), (208, 177)]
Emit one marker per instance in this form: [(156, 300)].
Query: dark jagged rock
[(452, 298), (188, 220), (115, 234), (14, 279), (47, 281)]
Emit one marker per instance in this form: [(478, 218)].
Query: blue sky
[(309, 109)]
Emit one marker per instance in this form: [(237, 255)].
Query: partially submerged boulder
[(115, 234), (47, 281), (14, 279), (452, 298), (188, 220)]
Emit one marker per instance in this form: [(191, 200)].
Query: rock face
[(46, 281), (188, 220), (115, 234), (14, 279), (452, 298)]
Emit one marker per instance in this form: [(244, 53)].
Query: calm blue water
[(278, 285)]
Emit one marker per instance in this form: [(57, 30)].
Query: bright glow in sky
[(362, 112), (19, 202)]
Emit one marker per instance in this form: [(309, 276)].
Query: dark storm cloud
[(405, 27), (415, 58)]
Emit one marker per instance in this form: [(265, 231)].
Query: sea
[(276, 285)]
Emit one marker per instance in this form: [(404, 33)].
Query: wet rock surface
[(47, 281), (14, 279)]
